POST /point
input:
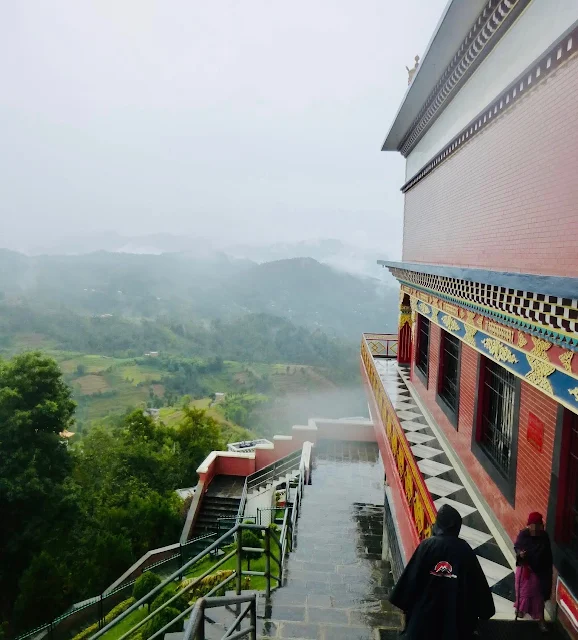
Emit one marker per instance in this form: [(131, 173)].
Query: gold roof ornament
[(411, 72)]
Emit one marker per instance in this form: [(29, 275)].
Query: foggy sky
[(254, 120)]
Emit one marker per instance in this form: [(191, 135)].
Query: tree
[(43, 591), (139, 426), (80, 370), (196, 435), (144, 584), (35, 406)]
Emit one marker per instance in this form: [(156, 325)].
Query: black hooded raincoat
[(443, 591)]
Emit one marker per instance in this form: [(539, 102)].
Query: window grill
[(422, 353), (448, 389), (498, 415)]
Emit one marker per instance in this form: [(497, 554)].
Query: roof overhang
[(455, 23), (549, 285)]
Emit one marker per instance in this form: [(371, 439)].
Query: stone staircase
[(336, 583), (278, 482), (213, 508)]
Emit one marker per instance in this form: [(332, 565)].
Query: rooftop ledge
[(456, 21), (560, 286)]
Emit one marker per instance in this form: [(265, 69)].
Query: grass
[(257, 582), (92, 384), (171, 416), (125, 625), (139, 373), (91, 363)]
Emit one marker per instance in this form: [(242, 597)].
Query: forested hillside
[(78, 517), (88, 342), (215, 286)]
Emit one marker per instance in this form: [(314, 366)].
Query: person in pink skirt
[(533, 570)]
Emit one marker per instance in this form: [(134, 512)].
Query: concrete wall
[(541, 24)]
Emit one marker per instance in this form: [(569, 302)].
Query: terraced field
[(105, 386)]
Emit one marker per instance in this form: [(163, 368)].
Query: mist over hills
[(205, 287), (345, 257)]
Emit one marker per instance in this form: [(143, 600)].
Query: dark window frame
[(565, 561), (505, 482), (421, 374), (451, 412)]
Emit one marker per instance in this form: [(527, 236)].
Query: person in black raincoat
[(442, 590)]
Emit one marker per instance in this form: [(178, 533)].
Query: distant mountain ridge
[(330, 251), (302, 290)]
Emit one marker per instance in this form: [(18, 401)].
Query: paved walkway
[(446, 487), (337, 585)]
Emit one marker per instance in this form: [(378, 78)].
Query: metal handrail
[(232, 534), (195, 629), (285, 543), (261, 477)]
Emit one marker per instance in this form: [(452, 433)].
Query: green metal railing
[(268, 474), (94, 610), (195, 630), (231, 540)]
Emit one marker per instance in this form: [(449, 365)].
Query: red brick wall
[(533, 470), (534, 467), (508, 200)]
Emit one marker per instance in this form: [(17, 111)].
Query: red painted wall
[(534, 467), (533, 470), (508, 200), (244, 466)]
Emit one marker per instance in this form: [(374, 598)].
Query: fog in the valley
[(236, 123), (296, 409)]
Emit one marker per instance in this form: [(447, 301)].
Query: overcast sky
[(255, 120)]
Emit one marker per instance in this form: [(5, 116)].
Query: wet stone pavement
[(336, 584)]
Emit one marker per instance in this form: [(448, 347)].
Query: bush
[(251, 539), (180, 603), (145, 584), (205, 585), (160, 620), (121, 607)]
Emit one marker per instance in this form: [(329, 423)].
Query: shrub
[(251, 539), (87, 632), (145, 584), (121, 607), (180, 603), (205, 585), (160, 620)]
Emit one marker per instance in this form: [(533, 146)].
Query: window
[(498, 420), (568, 529), (422, 350), (449, 373)]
